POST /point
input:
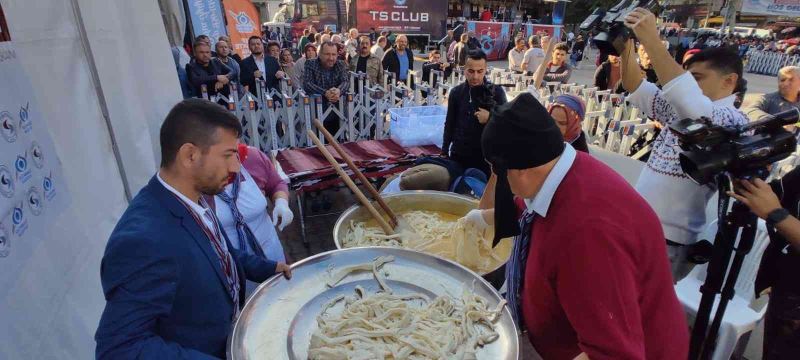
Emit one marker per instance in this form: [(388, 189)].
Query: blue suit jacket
[(249, 66), (164, 287)]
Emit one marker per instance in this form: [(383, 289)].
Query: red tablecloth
[(308, 170)]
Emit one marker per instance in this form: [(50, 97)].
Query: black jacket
[(391, 62), (602, 76), (461, 128), (426, 71), (780, 270), (580, 143), (199, 75), (249, 67)]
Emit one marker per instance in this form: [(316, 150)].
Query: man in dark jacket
[(399, 59), (467, 113), (779, 204), (473, 43), (259, 66), (206, 71)]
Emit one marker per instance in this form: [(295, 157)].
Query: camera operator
[(705, 90), (780, 264)]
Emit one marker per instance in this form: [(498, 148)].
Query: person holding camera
[(779, 204), (703, 88), (468, 106)]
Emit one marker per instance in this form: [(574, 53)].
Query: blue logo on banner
[(24, 118), (37, 155), (21, 164), (244, 24), (6, 182), (399, 2), (49, 188), (487, 44), (8, 127), (20, 224), (35, 201), (5, 242)]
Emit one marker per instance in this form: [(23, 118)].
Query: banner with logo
[(207, 19), (771, 7), (242, 18), (533, 29), (403, 16), (495, 37), (32, 192)]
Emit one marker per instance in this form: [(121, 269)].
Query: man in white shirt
[(517, 55), (705, 90), (378, 48), (534, 56), (351, 45)]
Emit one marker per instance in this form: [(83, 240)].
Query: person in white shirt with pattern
[(703, 87)]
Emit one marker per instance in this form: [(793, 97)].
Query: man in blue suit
[(260, 66), (172, 281)]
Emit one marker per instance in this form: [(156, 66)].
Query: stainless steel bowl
[(279, 317), (429, 200)]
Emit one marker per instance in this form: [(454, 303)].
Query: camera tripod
[(721, 278)]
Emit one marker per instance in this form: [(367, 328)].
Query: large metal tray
[(279, 317), (403, 201)]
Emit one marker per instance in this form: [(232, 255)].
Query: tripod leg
[(743, 248), (717, 268)]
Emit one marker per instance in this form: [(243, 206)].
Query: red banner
[(242, 18), (403, 16), (495, 37)]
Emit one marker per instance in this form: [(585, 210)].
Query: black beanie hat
[(520, 134)]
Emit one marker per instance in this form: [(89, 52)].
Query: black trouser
[(331, 122), (782, 327), (475, 161)]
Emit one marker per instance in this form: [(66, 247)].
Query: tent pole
[(101, 98)]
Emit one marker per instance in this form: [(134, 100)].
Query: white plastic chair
[(739, 318)]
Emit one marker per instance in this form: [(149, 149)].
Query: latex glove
[(475, 217), (281, 210)]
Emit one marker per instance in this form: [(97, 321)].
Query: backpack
[(472, 183)]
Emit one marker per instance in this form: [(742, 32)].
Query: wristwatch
[(776, 216)]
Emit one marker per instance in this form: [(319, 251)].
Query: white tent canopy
[(104, 77)]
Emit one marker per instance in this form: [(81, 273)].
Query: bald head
[(401, 42)]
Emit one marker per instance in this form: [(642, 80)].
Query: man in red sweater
[(588, 277)]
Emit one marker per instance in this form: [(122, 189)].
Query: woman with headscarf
[(568, 112), (287, 66)]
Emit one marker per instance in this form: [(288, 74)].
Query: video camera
[(610, 25), (743, 151)]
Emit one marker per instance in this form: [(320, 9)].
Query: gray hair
[(795, 70)]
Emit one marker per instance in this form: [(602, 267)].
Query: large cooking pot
[(429, 200)]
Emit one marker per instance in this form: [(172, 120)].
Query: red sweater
[(597, 278)]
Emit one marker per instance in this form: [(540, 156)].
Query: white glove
[(281, 210), (475, 217)]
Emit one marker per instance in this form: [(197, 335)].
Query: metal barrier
[(276, 119), (768, 62)]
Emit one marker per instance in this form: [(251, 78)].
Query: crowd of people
[(583, 281)]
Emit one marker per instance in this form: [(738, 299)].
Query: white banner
[(771, 7), (32, 191)]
